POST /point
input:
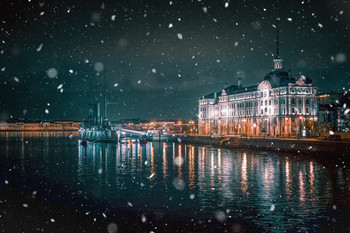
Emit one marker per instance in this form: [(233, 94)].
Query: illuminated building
[(280, 105), (334, 112)]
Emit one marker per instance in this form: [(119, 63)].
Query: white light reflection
[(288, 179)]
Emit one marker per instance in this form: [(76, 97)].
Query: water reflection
[(244, 182), (288, 178), (265, 189)]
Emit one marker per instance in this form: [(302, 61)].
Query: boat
[(96, 129)]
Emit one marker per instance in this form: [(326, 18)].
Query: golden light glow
[(165, 163)]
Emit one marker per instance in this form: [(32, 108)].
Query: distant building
[(39, 126), (165, 127), (280, 105), (334, 112)]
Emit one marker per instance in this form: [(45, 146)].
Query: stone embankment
[(312, 146)]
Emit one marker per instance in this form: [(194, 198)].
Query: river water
[(178, 183)]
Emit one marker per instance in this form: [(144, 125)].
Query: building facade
[(334, 112), (280, 105)]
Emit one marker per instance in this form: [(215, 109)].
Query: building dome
[(277, 77)]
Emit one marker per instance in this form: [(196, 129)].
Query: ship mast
[(104, 96)]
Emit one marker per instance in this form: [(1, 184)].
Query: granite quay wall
[(310, 146)]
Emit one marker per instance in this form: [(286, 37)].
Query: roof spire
[(277, 42), (277, 62)]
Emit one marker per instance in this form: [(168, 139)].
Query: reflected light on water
[(312, 182), (203, 162), (191, 169), (288, 179), (244, 182), (181, 159), (165, 163), (153, 171), (301, 189)]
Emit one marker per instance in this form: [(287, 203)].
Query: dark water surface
[(179, 184)]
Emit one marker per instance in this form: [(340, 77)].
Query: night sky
[(159, 57)]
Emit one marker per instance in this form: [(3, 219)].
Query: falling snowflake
[(178, 161), (220, 216), (340, 58), (179, 183), (143, 218), (99, 67), (226, 4), (113, 17), (52, 73), (179, 35), (47, 111), (39, 48), (170, 25), (112, 228)]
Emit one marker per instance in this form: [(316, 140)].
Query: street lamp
[(245, 126)]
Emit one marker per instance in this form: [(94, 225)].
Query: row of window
[(299, 101), (265, 110)]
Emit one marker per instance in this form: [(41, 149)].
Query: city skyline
[(159, 57)]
